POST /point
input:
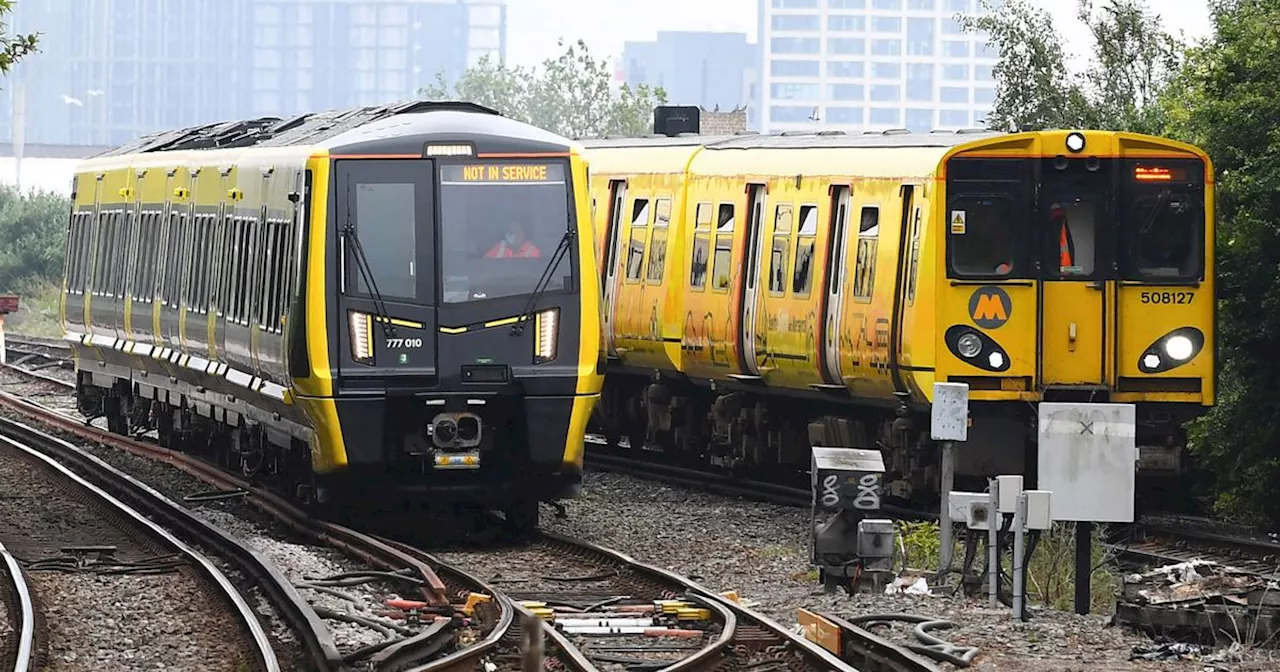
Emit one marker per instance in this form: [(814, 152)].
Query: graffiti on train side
[(866, 342)]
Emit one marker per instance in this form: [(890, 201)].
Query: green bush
[(33, 226)]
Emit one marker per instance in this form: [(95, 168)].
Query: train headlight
[(1075, 143), (361, 336), (546, 332), (969, 345), (1179, 347)]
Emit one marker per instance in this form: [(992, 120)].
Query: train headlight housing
[(1172, 350), (361, 325), (546, 331), (976, 349), (1075, 143)]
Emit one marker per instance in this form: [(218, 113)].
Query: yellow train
[(766, 293), (372, 304)]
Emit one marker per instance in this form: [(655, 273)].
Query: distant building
[(695, 68), (872, 64), (111, 70), (725, 122)]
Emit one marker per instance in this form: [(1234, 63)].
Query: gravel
[(131, 621), (761, 551)]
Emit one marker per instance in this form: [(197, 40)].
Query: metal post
[(944, 515), (4, 351), (1019, 521), (993, 544), (1084, 565), (19, 129), (531, 656)]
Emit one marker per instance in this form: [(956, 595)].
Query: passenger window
[(698, 267), (658, 240), (723, 262), (864, 274), (782, 216), (725, 220), (914, 260), (702, 219), (982, 234), (802, 270), (639, 222)]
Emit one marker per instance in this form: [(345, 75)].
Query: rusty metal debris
[(1201, 601)]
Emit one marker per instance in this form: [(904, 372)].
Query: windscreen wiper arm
[(366, 273), (544, 281)]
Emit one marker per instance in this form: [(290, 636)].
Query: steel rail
[(356, 544), (21, 437), (818, 657), (26, 644)]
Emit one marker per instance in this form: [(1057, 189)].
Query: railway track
[(1167, 542), (19, 626), (667, 622), (61, 527)]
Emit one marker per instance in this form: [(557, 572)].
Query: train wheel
[(521, 518)]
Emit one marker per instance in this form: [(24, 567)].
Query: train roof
[(390, 129), (820, 139)]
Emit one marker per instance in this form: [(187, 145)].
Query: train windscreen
[(1164, 219), (501, 223)]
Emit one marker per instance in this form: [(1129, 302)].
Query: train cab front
[(1078, 267), (467, 365)]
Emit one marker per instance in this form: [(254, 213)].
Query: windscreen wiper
[(544, 281), (366, 273)]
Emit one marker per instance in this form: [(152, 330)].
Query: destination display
[(503, 173)]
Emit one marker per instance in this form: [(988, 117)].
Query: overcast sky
[(606, 24)]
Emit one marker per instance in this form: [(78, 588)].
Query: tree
[(571, 94), (1227, 101), (1133, 59), (12, 47), (33, 227)]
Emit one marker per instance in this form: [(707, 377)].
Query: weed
[(39, 312)]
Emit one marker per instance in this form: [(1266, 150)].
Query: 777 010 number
[(1176, 298), (395, 343)]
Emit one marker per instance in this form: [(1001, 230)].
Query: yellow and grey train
[(376, 304), (767, 293)]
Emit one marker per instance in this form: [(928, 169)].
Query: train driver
[(514, 244)]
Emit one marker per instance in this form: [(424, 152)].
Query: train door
[(609, 269), (1073, 212), (751, 278), (833, 305)]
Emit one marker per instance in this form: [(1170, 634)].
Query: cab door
[(751, 279), (610, 262), (1075, 215)]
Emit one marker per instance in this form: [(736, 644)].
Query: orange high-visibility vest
[(1064, 248), (502, 249)]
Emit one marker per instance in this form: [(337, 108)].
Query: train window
[(1165, 238), (169, 279), (782, 216), (389, 238), (635, 251), (698, 266), (658, 241), (864, 271), (982, 230), (778, 264), (140, 247), (725, 218), (702, 218), (723, 263), (914, 260), (802, 269)]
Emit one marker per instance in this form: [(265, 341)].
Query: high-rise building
[(872, 65), (694, 68), (111, 70)]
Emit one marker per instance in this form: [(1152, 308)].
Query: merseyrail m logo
[(990, 307)]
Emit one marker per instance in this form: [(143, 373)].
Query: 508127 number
[(396, 343), (1168, 298)]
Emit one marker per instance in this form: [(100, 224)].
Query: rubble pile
[(1202, 601)]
